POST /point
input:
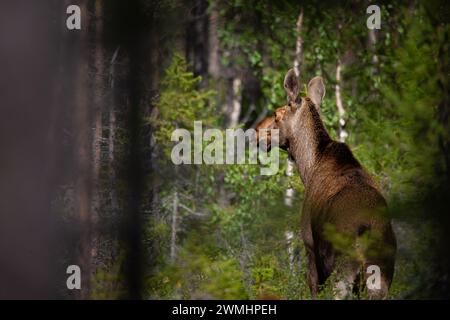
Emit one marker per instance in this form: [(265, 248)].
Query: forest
[(142, 227)]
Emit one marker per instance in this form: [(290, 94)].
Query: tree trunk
[(213, 44), (289, 193), (112, 135), (372, 41), (111, 162), (83, 171), (298, 45), (342, 134), (98, 128), (289, 235), (197, 39), (234, 103), (173, 237)]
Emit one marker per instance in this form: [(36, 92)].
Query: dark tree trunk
[(213, 43), (83, 183), (197, 36)]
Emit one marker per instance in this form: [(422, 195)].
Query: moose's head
[(287, 118)]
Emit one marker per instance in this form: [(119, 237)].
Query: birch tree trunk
[(289, 235), (372, 41), (342, 134), (298, 45), (234, 102), (289, 193)]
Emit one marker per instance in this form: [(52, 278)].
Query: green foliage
[(398, 141), (107, 283), (201, 271), (181, 102), (224, 280)]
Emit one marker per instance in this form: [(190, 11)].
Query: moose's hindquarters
[(383, 258), (369, 268), (357, 226), (372, 267)]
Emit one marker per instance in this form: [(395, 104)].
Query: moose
[(341, 202)]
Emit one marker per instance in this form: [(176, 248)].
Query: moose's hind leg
[(312, 276), (378, 278), (346, 273)]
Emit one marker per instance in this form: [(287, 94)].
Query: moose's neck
[(308, 140)]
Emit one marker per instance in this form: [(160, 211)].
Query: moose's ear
[(291, 85), (316, 90)]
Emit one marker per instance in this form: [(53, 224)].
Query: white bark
[(372, 37), (289, 235), (342, 134), (298, 45), (289, 193), (235, 102)]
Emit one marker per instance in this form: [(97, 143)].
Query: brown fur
[(267, 124), (338, 192)]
